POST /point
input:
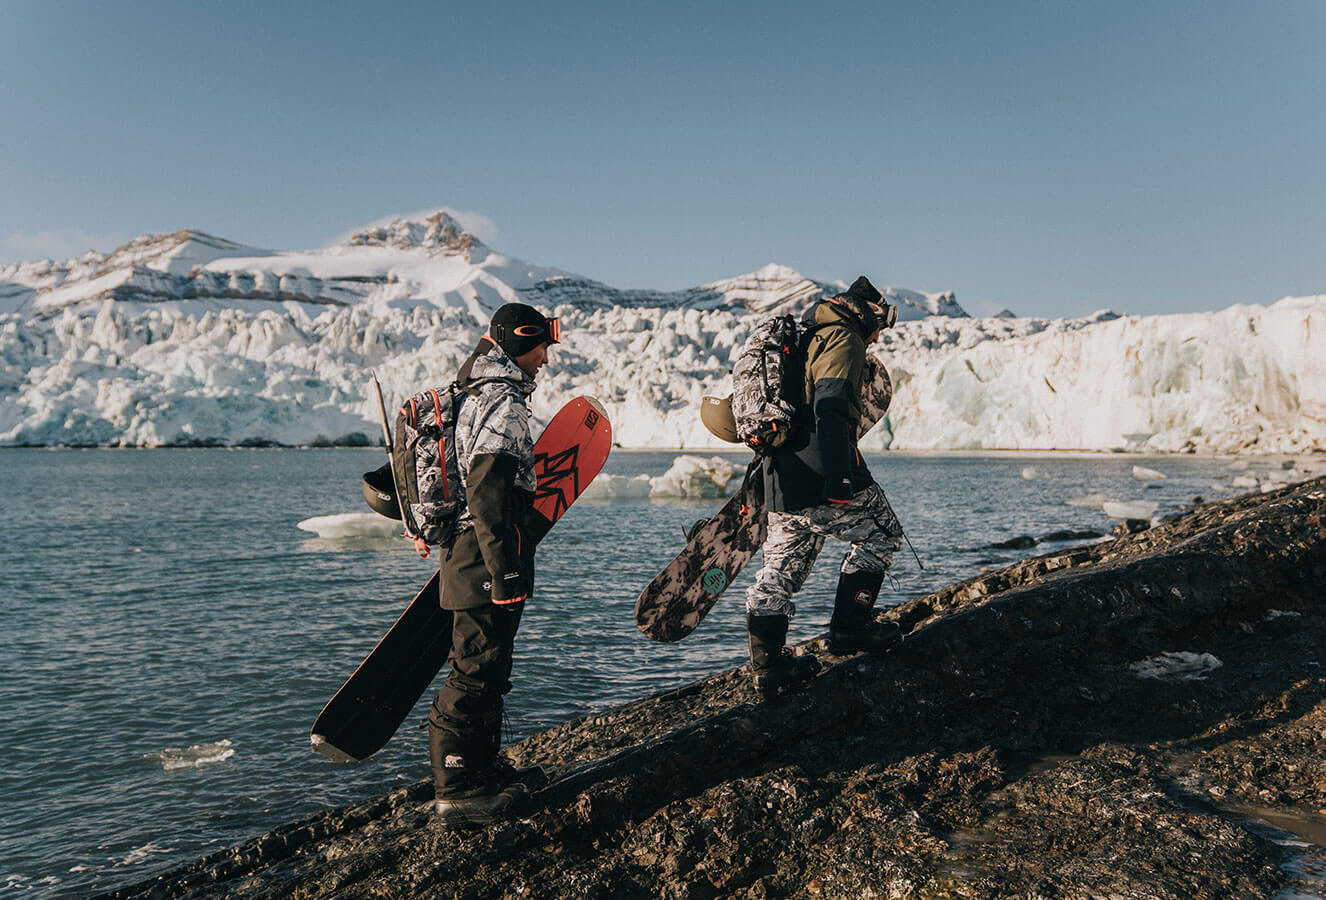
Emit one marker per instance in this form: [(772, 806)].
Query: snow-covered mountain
[(402, 264), (189, 339)]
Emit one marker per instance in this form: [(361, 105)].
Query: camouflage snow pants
[(795, 540)]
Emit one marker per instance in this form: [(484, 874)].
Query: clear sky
[(1050, 157)]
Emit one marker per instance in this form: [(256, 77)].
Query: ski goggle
[(551, 328), (887, 315)]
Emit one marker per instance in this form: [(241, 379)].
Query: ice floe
[(194, 757), (350, 525), (1130, 509), (1090, 501), (689, 478)]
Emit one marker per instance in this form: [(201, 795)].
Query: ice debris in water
[(1142, 473), (194, 757), (343, 525), (1246, 481), (617, 487), (139, 855), (1090, 501), (1177, 666), (694, 478), (690, 478), (1130, 509), (1030, 473)]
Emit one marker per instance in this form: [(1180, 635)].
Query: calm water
[(170, 635)]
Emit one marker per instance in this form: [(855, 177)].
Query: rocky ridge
[(1018, 743)]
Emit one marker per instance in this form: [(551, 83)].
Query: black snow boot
[(853, 627), (474, 787), (777, 671), (484, 807)]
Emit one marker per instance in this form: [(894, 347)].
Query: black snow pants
[(465, 722)]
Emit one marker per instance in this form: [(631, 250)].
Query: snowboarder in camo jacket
[(818, 486), (488, 572)]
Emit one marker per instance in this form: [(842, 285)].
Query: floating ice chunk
[(617, 487), (1245, 481), (1142, 473), (1238, 465), (139, 855), (343, 525), (690, 478), (694, 478), (1030, 472), (1129, 509), (1277, 613), (194, 757), (1215, 486), (1089, 501), (1180, 666)]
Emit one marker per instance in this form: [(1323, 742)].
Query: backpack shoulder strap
[(809, 332)]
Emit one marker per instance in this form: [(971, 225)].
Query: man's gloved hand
[(510, 588), (838, 491)]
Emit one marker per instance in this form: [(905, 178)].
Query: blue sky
[(1049, 157)]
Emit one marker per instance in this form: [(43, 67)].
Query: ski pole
[(903, 530)]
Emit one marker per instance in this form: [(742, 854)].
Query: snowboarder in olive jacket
[(817, 486), (488, 572)]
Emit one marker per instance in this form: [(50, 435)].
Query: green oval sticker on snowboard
[(714, 581)]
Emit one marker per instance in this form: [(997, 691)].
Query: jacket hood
[(845, 310), (496, 365)]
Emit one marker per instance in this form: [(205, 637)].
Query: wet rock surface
[(1009, 747)]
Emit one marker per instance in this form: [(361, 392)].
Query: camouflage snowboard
[(675, 602)]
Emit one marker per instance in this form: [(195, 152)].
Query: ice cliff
[(190, 339)]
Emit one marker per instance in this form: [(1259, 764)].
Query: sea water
[(170, 633)]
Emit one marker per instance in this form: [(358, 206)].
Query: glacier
[(188, 339)]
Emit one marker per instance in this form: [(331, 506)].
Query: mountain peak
[(436, 232)]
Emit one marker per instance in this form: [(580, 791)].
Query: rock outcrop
[(1023, 740)]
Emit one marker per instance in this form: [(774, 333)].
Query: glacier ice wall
[(1246, 379)]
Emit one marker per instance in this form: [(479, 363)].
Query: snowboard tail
[(371, 705)]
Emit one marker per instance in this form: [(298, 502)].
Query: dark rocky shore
[(1007, 748)]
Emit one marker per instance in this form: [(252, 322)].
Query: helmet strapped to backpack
[(765, 383)]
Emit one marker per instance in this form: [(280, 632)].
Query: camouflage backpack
[(766, 382), (424, 454)]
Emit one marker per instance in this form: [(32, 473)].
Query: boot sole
[(453, 815)]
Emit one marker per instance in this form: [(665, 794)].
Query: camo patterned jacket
[(495, 452)]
